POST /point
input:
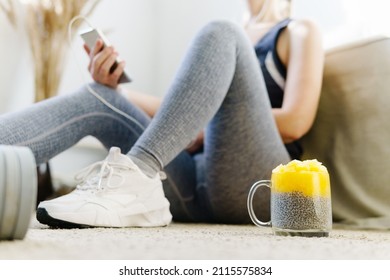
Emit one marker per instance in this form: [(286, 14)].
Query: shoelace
[(107, 169)]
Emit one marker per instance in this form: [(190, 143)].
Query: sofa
[(351, 132)]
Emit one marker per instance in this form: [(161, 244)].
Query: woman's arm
[(99, 66), (148, 103), (300, 48)]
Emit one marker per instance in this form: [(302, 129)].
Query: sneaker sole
[(44, 218)]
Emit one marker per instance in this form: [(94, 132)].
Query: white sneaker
[(113, 193)]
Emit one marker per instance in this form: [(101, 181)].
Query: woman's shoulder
[(298, 38), (303, 29)]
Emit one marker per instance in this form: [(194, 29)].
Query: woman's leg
[(52, 126), (219, 83)]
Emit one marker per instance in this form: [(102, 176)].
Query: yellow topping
[(309, 177)]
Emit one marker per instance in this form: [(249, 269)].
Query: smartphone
[(90, 37)]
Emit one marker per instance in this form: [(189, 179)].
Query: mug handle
[(252, 191)]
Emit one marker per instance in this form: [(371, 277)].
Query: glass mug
[(300, 200)]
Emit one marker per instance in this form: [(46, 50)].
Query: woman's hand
[(101, 62), (195, 145)]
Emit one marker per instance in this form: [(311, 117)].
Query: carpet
[(181, 241)]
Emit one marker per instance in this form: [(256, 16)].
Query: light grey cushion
[(351, 133)]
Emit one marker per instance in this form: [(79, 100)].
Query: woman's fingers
[(102, 62)]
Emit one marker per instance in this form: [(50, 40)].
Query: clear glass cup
[(300, 200)]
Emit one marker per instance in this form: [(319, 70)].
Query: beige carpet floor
[(193, 241)]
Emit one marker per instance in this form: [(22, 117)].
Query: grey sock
[(146, 162)]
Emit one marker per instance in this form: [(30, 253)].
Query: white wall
[(152, 36), (16, 79), (343, 21), (178, 22)]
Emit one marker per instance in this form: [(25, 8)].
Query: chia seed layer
[(298, 212)]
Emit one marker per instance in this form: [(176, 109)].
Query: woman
[(220, 89)]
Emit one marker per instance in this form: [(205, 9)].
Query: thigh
[(53, 125), (242, 144)]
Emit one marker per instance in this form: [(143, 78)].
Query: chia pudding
[(296, 214)]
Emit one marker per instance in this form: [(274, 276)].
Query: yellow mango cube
[(308, 177)]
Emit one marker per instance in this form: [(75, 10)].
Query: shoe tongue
[(115, 155)]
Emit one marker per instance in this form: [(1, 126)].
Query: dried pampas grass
[(8, 8), (47, 26)]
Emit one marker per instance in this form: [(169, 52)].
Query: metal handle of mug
[(252, 191)]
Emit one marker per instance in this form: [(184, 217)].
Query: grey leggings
[(218, 86)]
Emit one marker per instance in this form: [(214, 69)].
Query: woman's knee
[(222, 29)]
